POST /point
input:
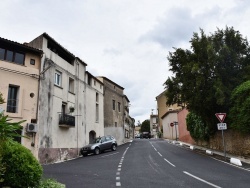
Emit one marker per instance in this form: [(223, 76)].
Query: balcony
[(66, 120)]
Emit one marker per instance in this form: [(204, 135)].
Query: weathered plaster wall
[(117, 132), (168, 131)]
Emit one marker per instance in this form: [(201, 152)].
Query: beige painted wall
[(26, 77)]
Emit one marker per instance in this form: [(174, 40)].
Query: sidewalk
[(214, 152)]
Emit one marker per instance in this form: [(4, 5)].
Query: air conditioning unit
[(31, 127)]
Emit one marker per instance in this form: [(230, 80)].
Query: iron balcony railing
[(66, 120)]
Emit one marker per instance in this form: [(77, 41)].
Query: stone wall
[(236, 143)]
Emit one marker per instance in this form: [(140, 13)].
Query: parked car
[(146, 135), (138, 136), (100, 144)]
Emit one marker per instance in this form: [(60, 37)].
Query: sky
[(127, 41)]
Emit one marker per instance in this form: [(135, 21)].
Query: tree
[(145, 126), (206, 74), (240, 109)]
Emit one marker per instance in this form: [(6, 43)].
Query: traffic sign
[(171, 124), (221, 116), (222, 126)]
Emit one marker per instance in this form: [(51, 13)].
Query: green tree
[(145, 126), (206, 74), (240, 109)]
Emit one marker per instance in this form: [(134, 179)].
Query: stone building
[(19, 84), (116, 110)]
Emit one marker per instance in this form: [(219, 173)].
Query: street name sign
[(222, 126), (221, 116)]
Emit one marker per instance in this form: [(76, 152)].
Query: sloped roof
[(6, 42)]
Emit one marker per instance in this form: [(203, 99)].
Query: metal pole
[(175, 131), (224, 144)]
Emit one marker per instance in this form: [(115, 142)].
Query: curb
[(233, 160)]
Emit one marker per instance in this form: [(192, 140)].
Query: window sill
[(71, 93), (58, 86)]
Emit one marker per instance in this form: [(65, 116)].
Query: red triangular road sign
[(221, 116)]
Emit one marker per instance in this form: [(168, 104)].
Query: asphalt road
[(148, 163)]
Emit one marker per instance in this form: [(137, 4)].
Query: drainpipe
[(77, 107)]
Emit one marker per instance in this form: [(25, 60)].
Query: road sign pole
[(224, 146)]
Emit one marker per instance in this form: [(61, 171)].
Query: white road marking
[(169, 162), (119, 166), (117, 178), (204, 181), (160, 154), (110, 154), (118, 173), (119, 169), (118, 184)]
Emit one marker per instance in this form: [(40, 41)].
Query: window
[(97, 112), (12, 101), (115, 124), (94, 82), (32, 61), (119, 107), (12, 56), (89, 80), (19, 58), (97, 97), (58, 77), (2, 52), (71, 85), (113, 104)]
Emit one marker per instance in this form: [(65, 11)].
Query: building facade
[(19, 84), (163, 108), (170, 125), (154, 120), (94, 108), (116, 111), (63, 123)]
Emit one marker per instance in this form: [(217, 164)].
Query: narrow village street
[(148, 163)]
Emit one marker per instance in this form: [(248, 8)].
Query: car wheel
[(84, 154), (97, 151), (113, 147)]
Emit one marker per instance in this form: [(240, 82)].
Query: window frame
[(13, 90), (58, 78), (71, 86), (113, 104)]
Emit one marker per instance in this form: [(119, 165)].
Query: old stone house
[(116, 111)]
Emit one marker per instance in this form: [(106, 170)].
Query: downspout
[(77, 107)]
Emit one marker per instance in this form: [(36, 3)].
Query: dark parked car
[(146, 135), (101, 144)]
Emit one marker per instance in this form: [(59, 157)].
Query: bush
[(50, 183), (22, 168), (196, 127)]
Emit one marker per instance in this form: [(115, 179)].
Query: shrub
[(22, 168), (50, 183), (196, 127)]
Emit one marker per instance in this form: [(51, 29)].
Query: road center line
[(169, 162), (160, 154), (204, 181)]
